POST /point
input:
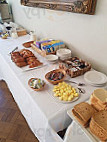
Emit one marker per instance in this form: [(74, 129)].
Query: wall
[(86, 35)]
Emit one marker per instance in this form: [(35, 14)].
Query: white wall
[(86, 35)]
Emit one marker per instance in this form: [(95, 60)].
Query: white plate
[(26, 68), (65, 58), (51, 58), (97, 85), (53, 62), (95, 78), (66, 102), (87, 131)]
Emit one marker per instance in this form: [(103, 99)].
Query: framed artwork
[(77, 6)]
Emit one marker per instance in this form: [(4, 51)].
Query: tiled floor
[(13, 127)]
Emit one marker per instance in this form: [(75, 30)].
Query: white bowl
[(63, 52), (52, 58)]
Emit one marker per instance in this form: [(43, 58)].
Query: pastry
[(19, 59), (31, 61), (15, 53), (15, 57), (25, 57), (99, 99), (21, 64), (83, 113), (23, 51), (30, 58), (26, 53), (98, 125), (35, 64)]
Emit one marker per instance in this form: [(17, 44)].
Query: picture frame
[(77, 6)]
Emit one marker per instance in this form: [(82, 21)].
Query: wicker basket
[(72, 74), (32, 87), (55, 71)]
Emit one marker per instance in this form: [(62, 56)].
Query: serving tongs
[(13, 50), (79, 84), (81, 90)]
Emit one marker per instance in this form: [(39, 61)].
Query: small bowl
[(34, 88), (52, 58), (58, 81), (28, 44)]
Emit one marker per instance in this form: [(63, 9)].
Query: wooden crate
[(41, 52)]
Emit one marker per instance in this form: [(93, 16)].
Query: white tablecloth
[(75, 134), (44, 115)]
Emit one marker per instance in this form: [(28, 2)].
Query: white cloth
[(44, 115), (75, 134)]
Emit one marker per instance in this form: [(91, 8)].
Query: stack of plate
[(64, 54), (95, 78), (52, 58)]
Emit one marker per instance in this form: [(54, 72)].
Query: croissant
[(21, 64), (35, 64)]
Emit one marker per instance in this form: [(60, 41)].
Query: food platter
[(87, 131), (91, 115), (26, 60), (67, 102), (26, 68)]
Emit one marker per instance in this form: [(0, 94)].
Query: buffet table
[(43, 114)]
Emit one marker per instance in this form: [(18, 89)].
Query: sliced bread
[(83, 112), (99, 99), (98, 125)]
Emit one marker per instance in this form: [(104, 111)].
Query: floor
[(13, 127)]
